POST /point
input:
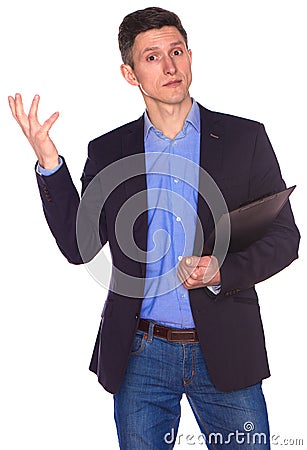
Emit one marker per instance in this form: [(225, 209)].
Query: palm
[(36, 133)]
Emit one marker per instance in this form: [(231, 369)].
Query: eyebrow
[(173, 44)]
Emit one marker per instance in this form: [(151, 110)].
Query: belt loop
[(150, 332)]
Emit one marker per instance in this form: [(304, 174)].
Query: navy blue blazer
[(237, 154)]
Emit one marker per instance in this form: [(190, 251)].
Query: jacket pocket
[(246, 300)]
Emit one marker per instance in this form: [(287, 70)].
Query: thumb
[(49, 122), (205, 261), (191, 261)]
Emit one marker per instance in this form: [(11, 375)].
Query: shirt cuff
[(215, 289), (46, 172)]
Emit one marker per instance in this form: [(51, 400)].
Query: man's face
[(162, 65)]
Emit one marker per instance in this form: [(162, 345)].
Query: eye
[(177, 52), (152, 58)]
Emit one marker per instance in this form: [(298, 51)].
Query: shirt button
[(182, 296), (176, 180), (178, 219), (180, 258)]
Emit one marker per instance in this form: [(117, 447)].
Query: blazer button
[(137, 316)]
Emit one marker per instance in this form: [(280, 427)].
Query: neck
[(168, 118)]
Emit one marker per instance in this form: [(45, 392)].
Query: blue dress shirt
[(46, 172), (172, 173)]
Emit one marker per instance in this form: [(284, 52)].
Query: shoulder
[(118, 133), (229, 121), (107, 148)]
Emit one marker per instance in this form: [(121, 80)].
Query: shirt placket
[(177, 188)]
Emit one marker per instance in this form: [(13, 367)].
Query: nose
[(169, 66)]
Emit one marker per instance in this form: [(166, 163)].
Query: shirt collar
[(193, 118)]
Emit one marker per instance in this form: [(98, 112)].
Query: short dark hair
[(141, 21)]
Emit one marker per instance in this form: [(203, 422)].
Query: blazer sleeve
[(279, 247), (62, 206)]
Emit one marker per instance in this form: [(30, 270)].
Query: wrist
[(49, 163)]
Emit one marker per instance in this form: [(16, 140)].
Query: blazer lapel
[(211, 152), (135, 183)]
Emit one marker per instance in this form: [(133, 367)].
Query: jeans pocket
[(138, 344)]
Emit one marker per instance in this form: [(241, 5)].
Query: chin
[(176, 99)]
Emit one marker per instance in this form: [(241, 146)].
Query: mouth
[(173, 83)]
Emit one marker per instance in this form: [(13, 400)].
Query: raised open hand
[(37, 134)]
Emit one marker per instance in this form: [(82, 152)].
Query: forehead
[(157, 38)]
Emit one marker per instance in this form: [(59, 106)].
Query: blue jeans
[(147, 407)]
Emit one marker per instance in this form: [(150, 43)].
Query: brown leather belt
[(171, 334)]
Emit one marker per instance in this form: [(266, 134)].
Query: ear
[(190, 54), (129, 75)]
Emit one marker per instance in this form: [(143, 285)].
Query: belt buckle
[(171, 336)]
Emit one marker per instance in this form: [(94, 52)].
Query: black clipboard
[(249, 222)]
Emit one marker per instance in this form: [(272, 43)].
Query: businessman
[(174, 322)]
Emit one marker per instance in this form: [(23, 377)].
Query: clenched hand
[(195, 272)]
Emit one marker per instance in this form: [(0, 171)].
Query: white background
[(249, 59)]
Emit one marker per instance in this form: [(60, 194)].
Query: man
[(174, 321)]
